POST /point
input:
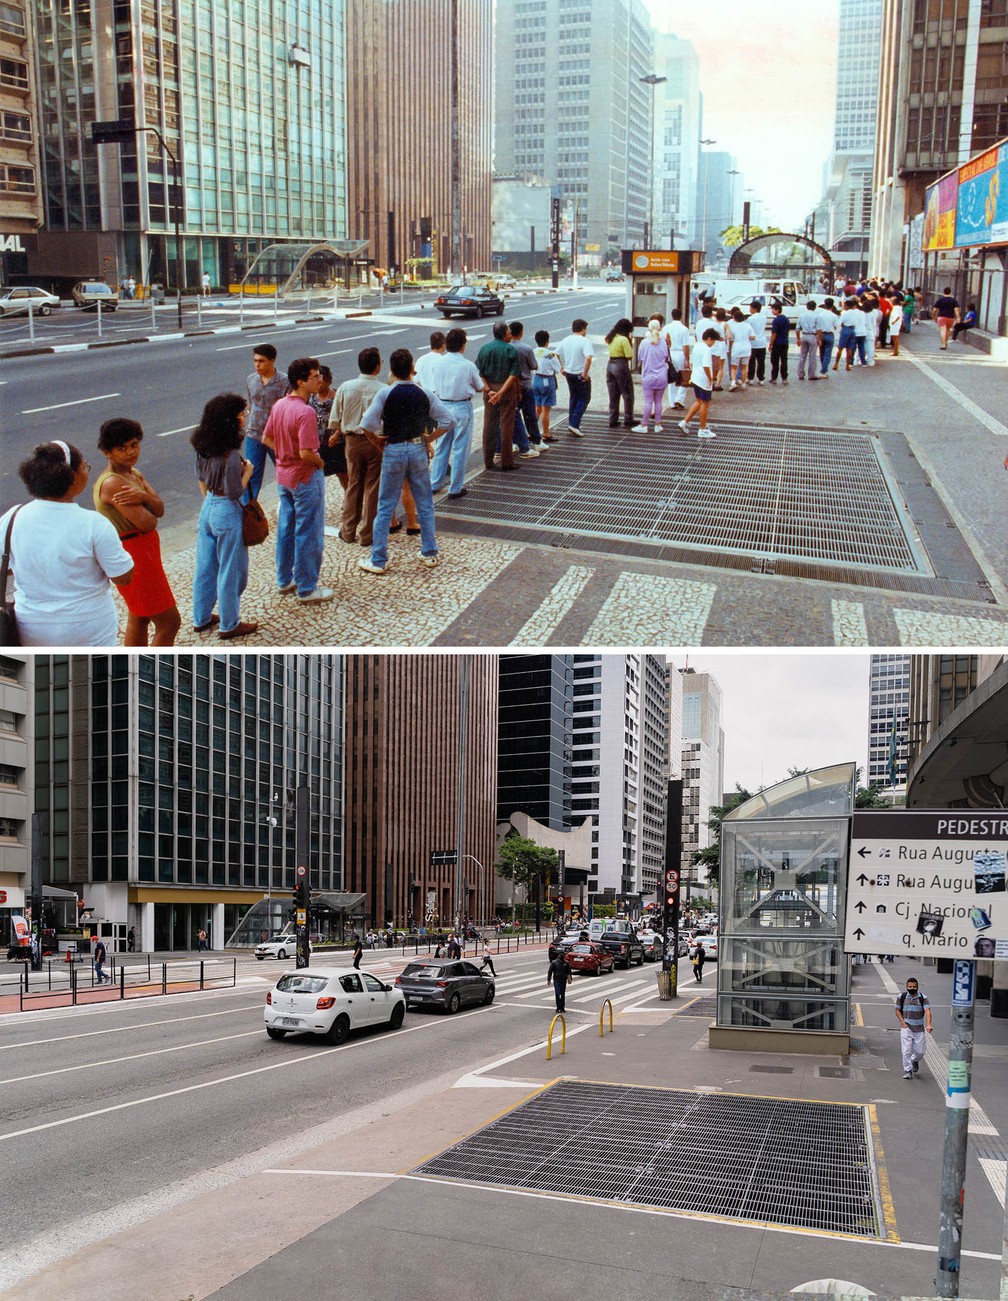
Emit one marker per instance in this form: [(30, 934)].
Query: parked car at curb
[(87, 294), (17, 299), (447, 984), (331, 1001), (469, 300), (589, 958), (613, 275)]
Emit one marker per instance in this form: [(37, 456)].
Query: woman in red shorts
[(124, 497)]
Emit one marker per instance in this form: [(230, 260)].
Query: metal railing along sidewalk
[(76, 985)]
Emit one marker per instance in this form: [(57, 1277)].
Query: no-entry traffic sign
[(928, 884)]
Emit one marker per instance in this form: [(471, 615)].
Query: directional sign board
[(928, 884)]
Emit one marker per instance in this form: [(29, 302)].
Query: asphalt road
[(165, 384), (102, 1106)]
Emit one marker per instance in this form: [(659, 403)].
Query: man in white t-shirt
[(757, 361), (680, 341), (426, 366), (702, 379), (576, 358)]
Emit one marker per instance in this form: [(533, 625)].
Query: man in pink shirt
[(292, 432)]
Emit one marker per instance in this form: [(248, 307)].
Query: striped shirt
[(913, 1010)]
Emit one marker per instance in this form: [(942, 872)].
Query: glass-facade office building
[(534, 738), (166, 784), (249, 95)]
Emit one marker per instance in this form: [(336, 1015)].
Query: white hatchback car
[(21, 298), (331, 1001), (284, 946)]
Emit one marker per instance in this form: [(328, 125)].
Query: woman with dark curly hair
[(221, 554), (64, 559)]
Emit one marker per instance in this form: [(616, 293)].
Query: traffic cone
[(69, 956)]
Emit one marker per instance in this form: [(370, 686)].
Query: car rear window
[(423, 971), (582, 948), (296, 983)]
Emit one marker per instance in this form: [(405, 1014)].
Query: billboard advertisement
[(940, 214), (982, 208)]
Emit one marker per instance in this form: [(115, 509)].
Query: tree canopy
[(732, 236), (521, 860)]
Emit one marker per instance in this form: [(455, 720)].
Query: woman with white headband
[(64, 559)]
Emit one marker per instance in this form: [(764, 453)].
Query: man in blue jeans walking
[(292, 432), (576, 358), (408, 420)]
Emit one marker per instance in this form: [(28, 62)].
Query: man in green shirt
[(498, 364)]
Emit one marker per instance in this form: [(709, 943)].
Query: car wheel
[(488, 997), (396, 1019), (45, 310), (339, 1031), (500, 310), (274, 1033), (453, 1005), (598, 970), (446, 315), (640, 960), (282, 954), (479, 313), (260, 957)]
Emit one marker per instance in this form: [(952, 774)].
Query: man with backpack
[(558, 975), (913, 1011)]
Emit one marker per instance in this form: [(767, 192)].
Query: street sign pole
[(957, 1104), (670, 883), (301, 851)]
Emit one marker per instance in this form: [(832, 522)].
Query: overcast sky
[(792, 709), (768, 79)]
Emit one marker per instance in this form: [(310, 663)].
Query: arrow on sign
[(864, 852), (860, 905), (862, 879), (859, 933)]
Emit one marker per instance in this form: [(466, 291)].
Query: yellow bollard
[(563, 1035), (606, 1002)]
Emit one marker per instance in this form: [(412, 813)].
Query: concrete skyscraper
[(702, 763), (889, 719), (571, 107), (677, 141)]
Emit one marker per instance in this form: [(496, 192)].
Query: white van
[(740, 291)]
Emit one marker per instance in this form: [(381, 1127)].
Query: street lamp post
[(706, 178), (654, 81), (733, 173)]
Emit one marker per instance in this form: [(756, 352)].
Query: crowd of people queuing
[(393, 443)]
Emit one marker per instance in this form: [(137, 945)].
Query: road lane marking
[(967, 404), (223, 1079), (58, 406), (120, 1029), (850, 628), (131, 1057), (545, 620), (184, 430)]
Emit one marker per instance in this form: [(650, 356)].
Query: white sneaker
[(683, 426), (497, 459), (369, 566), (541, 447), (530, 455), (430, 561), (658, 429), (319, 594), (705, 433), (732, 387), (639, 429), (576, 432)]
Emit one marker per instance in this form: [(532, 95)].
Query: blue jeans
[(453, 448), (403, 461), (221, 562), (301, 533), (580, 396), (826, 352), (257, 453), (859, 341)]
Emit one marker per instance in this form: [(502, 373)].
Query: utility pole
[(465, 673), (957, 1105)]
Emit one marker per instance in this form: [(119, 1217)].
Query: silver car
[(19, 298)]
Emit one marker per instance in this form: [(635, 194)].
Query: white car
[(20, 297), (331, 1001), (284, 946)]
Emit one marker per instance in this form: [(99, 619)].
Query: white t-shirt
[(426, 368), (825, 320), (742, 335), (849, 317), (701, 356), (860, 322), (758, 321), (574, 351), (679, 339), (63, 558), (549, 362), (455, 378)]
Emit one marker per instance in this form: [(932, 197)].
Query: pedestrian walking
[(131, 288), (487, 960), (206, 284), (544, 383), (201, 940), (130, 940), (499, 368), (702, 379), (680, 342), (697, 958), (742, 335), (780, 330), (558, 974), (407, 419), (100, 955), (292, 432), (575, 352), (363, 451), (64, 560), (946, 313), (913, 1011), (358, 951), (895, 326), (757, 358), (526, 422), (459, 382), (619, 381), (808, 342), (133, 508), (653, 358), (453, 950), (221, 567), (264, 388)]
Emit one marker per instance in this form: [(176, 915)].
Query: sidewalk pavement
[(346, 1218), (494, 589)]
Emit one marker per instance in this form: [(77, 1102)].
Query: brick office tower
[(403, 717)]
